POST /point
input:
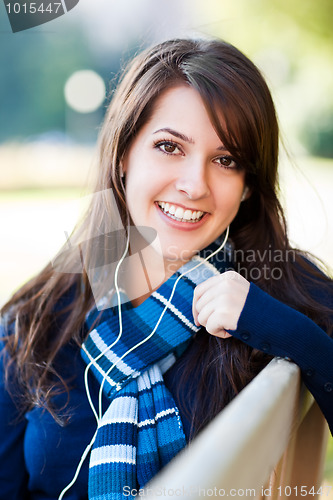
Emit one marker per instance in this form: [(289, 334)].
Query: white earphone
[(98, 412), (245, 192)]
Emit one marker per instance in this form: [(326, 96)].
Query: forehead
[(183, 109)]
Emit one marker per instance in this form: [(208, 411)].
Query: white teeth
[(179, 213), (187, 215), (197, 215)]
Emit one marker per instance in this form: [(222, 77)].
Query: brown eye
[(227, 162), (168, 147)]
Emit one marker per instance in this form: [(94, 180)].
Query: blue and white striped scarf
[(141, 431)]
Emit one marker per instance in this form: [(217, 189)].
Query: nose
[(193, 181)]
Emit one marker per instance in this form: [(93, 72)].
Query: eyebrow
[(183, 137)]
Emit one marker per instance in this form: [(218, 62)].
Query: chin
[(176, 254)]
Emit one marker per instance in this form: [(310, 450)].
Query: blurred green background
[(48, 133)]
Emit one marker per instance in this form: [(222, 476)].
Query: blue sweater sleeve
[(13, 475), (277, 329)]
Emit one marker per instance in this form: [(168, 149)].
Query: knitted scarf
[(141, 430)]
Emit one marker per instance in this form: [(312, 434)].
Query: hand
[(219, 301)]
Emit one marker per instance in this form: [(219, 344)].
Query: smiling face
[(179, 179)]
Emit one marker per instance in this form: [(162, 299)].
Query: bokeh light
[(84, 91)]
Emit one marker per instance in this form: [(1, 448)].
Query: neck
[(149, 272), (145, 270)]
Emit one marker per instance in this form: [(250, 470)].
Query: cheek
[(140, 167), (228, 197), (147, 184), (141, 192)]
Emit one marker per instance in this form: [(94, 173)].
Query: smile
[(180, 214)]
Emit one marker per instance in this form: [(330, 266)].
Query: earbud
[(245, 192)]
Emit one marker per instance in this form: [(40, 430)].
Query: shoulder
[(314, 281)]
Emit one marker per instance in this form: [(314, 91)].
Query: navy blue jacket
[(38, 458)]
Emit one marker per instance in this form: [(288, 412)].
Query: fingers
[(212, 319), (213, 326), (200, 301), (219, 301), (204, 314), (199, 291)]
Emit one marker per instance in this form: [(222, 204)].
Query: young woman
[(175, 291)]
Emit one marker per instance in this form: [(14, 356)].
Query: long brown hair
[(230, 86)]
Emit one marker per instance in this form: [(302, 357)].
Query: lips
[(179, 213)]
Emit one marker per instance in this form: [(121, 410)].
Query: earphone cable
[(160, 318), (99, 415)]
